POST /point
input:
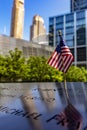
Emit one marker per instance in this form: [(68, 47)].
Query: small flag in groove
[(61, 58)]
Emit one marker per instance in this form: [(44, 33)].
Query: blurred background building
[(17, 21), (74, 29), (38, 31), (27, 48), (78, 5), (37, 46)]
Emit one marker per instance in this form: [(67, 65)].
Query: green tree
[(15, 64), (75, 74), (38, 70), (3, 69), (14, 67)]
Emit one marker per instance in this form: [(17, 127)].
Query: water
[(37, 106)]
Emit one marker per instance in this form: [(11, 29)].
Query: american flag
[(61, 58)]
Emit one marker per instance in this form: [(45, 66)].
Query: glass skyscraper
[(74, 29), (78, 5)]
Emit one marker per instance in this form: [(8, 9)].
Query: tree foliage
[(38, 70), (76, 74), (14, 67)]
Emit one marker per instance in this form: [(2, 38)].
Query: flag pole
[(65, 85), (66, 90)]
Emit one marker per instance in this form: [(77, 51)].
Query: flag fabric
[(61, 58)]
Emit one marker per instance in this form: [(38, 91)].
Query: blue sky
[(44, 8)]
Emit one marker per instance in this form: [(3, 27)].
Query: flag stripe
[(52, 58), (66, 62), (56, 59), (59, 60), (60, 63), (68, 65), (61, 68)]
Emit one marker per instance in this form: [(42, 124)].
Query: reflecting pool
[(43, 106)]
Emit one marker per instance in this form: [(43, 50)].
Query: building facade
[(78, 5), (28, 48), (17, 21), (74, 29), (37, 30)]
